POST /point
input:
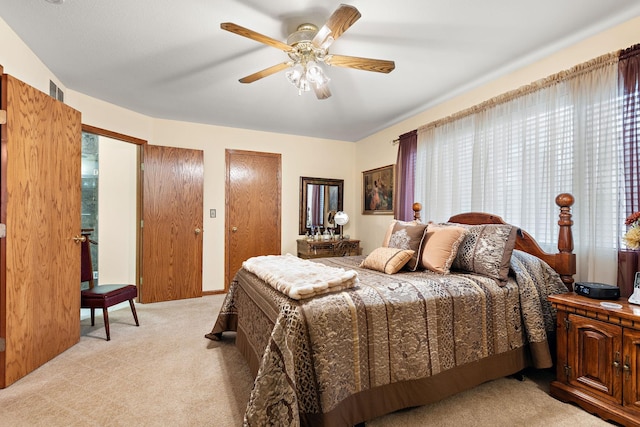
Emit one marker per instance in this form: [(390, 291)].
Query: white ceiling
[(170, 59)]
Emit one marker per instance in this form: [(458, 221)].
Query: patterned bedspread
[(390, 328)]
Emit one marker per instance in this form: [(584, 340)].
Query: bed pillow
[(486, 250), (387, 260), (408, 235), (387, 235), (441, 247)]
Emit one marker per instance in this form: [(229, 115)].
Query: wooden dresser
[(328, 248), (598, 364)]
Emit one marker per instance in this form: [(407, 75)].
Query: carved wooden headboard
[(564, 261)]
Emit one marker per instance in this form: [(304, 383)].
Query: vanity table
[(328, 248), (321, 207)]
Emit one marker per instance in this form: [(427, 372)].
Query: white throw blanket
[(299, 278)]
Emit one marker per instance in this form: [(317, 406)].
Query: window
[(512, 155)]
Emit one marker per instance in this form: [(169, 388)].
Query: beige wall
[(18, 60), (376, 150), (117, 186)]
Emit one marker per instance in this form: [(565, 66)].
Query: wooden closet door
[(253, 208), (40, 259), (172, 204)]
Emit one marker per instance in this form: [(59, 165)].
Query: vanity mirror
[(320, 199)]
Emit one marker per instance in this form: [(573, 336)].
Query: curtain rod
[(524, 90)]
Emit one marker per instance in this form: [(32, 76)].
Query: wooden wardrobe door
[(40, 259)]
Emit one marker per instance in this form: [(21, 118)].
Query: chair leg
[(133, 310), (105, 314), (93, 317)]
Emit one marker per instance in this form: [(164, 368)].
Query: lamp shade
[(341, 218)]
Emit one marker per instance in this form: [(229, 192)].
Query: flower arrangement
[(632, 236)]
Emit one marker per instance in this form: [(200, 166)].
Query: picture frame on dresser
[(378, 190), (635, 295)]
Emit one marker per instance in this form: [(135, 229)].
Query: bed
[(395, 341)]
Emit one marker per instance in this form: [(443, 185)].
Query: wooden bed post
[(417, 207), (565, 240)]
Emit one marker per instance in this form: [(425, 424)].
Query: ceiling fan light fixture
[(294, 75), (304, 85), (316, 75), (303, 75), (298, 76)]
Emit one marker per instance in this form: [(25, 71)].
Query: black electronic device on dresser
[(597, 290)]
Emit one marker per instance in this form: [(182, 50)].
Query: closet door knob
[(234, 229), (198, 231)]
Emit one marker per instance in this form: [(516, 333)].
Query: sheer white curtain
[(511, 156)]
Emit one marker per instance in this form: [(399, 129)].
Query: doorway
[(109, 206)]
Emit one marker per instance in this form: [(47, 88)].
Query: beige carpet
[(165, 373)]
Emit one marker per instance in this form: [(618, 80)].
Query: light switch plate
[(212, 213)]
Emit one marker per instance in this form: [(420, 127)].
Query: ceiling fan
[(307, 47)]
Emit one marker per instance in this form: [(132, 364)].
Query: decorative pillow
[(387, 260), (387, 236), (487, 250), (408, 235), (441, 247)]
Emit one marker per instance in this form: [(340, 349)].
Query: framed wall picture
[(378, 191)]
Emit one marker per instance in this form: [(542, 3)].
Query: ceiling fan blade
[(322, 91), (245, 32), (339, 22), (365, 64), (266, 72)]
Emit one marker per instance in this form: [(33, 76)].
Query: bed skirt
[(377, 401), (382, 400)]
